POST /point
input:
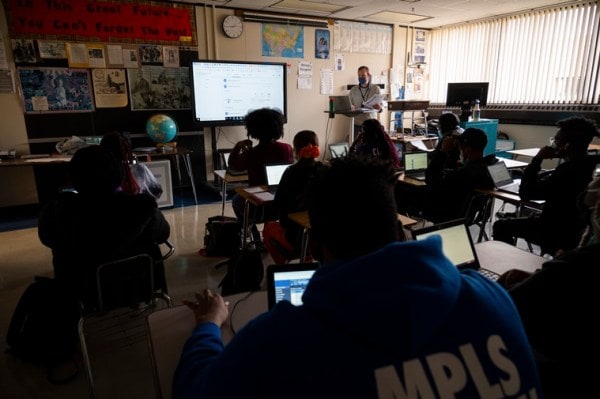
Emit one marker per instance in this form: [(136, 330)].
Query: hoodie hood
[(412, 286)]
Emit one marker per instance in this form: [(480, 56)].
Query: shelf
[(408, 105)]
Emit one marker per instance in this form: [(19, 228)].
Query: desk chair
[(478, 212), (125, 294)]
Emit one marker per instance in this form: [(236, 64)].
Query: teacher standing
[(360, 94)]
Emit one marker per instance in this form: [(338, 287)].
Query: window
[(548, 56)]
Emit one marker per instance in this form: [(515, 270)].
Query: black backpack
[(245, 271), (43, 327), (222, 236)]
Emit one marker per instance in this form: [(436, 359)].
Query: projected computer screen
[(225, 91)]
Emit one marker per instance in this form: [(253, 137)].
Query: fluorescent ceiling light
[(285, 20), (398, 17), (323, 8)]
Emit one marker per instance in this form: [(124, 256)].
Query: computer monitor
[(466, 93)]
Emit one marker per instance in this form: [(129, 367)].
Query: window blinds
[(548, 56)]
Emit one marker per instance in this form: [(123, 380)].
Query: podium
[(349, 114)]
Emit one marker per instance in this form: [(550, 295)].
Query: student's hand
[(546, 152), (244, 145), (209, 307)]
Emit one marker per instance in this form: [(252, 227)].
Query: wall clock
[(233, 26)]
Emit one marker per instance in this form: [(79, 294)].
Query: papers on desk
[(144, 149), (48, 159), (421, 145), (260, 193)]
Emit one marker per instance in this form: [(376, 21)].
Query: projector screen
[(223, 92)]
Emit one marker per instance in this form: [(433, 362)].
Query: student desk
[(257, 196), (169, 329), (301, 218), (532, 152), (221, 174)]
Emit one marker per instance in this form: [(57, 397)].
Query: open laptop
[(502, 178), (338, 150), (415, 164), (343, 105), (457, 245), (273, 174), (288, 282)]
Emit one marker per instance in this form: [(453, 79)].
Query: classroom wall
[(305, 107)]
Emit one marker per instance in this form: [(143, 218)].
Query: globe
[(161, 128)]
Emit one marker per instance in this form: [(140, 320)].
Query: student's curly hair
[(265, 124)]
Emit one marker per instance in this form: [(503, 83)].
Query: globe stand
[(167, 146)]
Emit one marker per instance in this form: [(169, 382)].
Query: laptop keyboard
[(488, 273)]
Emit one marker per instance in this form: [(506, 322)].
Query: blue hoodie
[(401, 322)]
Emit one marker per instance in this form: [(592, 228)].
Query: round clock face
[(232, 26)]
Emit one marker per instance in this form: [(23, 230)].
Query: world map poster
[(282, 41)]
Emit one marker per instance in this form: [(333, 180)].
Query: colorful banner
[(103, 21)]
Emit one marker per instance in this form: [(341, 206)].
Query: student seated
[(558, 226), (266, 126), (380, 317), (557, 304), (449, 126), (99, 223), (283, 238), (374, 142), (449, 191)]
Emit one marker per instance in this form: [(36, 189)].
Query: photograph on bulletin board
[(110, 87), (49, 90), (23, 51), (159, 88), (322, 43)]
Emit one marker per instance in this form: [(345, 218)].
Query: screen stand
[(465, 112)]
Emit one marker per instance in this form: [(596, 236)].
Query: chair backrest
[(125, 282)]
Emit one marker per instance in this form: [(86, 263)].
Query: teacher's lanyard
[(365, 94)]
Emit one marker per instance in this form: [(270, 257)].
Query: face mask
[(362, 81)]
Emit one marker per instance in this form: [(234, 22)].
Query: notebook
[(343, 105), (502, 178), (415, 164), (457, 245), (338, 150), (288, 282)]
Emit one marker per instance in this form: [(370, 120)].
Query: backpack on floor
[(245, 271), (222, 236), (43, 327)]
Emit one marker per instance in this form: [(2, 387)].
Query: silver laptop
[(415, 164), (338, 150), (457, 245), (343, 105), (502, 178), (288, 282)]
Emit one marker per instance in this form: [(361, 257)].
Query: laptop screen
[(415, 161), (457, 244), (288, 282), (338, 150), (499, 174), (274, 173)]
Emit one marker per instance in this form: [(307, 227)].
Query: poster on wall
[(23, 51), (110, 88), (46, 90), (322, 44), (159, 88), (52, 50), (151, 54)]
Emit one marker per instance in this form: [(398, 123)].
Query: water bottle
[(476, 111)]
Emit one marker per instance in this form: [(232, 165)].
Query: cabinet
[(490, 127)]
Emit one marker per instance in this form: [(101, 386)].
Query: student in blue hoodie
[(380, 318)]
